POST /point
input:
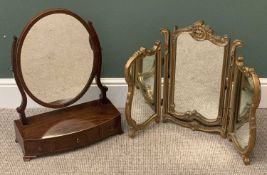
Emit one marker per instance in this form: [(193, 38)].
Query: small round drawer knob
[(77, 140)]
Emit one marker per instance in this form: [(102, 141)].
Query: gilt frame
[(192, 119), (240, 70), (141, 53)]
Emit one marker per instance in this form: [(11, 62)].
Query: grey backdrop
[(123, 25)]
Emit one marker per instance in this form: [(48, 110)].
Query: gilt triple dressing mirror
[(206, 86), (55, 60)]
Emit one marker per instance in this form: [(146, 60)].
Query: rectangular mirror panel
[(143, 104), (198, 75)]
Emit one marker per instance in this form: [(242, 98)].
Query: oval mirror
[(55, 58)]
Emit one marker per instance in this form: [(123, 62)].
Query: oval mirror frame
[(17, 47), (141, 53)]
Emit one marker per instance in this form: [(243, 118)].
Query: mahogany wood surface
[(67, 128)]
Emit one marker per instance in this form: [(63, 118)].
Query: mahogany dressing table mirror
[(54, 61), (207, 87)]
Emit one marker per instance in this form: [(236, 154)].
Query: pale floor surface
[(162, 149)]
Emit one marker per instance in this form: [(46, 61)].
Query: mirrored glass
[(143, 103), (198, 75), (56, 58), (245, 102)]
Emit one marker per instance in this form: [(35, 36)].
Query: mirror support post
[(104, 89), (95, 44), (22, 107)]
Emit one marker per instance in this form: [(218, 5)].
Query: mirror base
[(67, 129), (132, 133), (246, 160), (28, 158), (194, 125)]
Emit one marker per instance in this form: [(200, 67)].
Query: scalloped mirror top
[(198, 75), (56, 58)]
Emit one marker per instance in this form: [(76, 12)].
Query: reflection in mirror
[(197, 71), (143, 74), (245, 102), (143, 106), (56, 58), (245, 99), (145, 77), (198, 76)]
